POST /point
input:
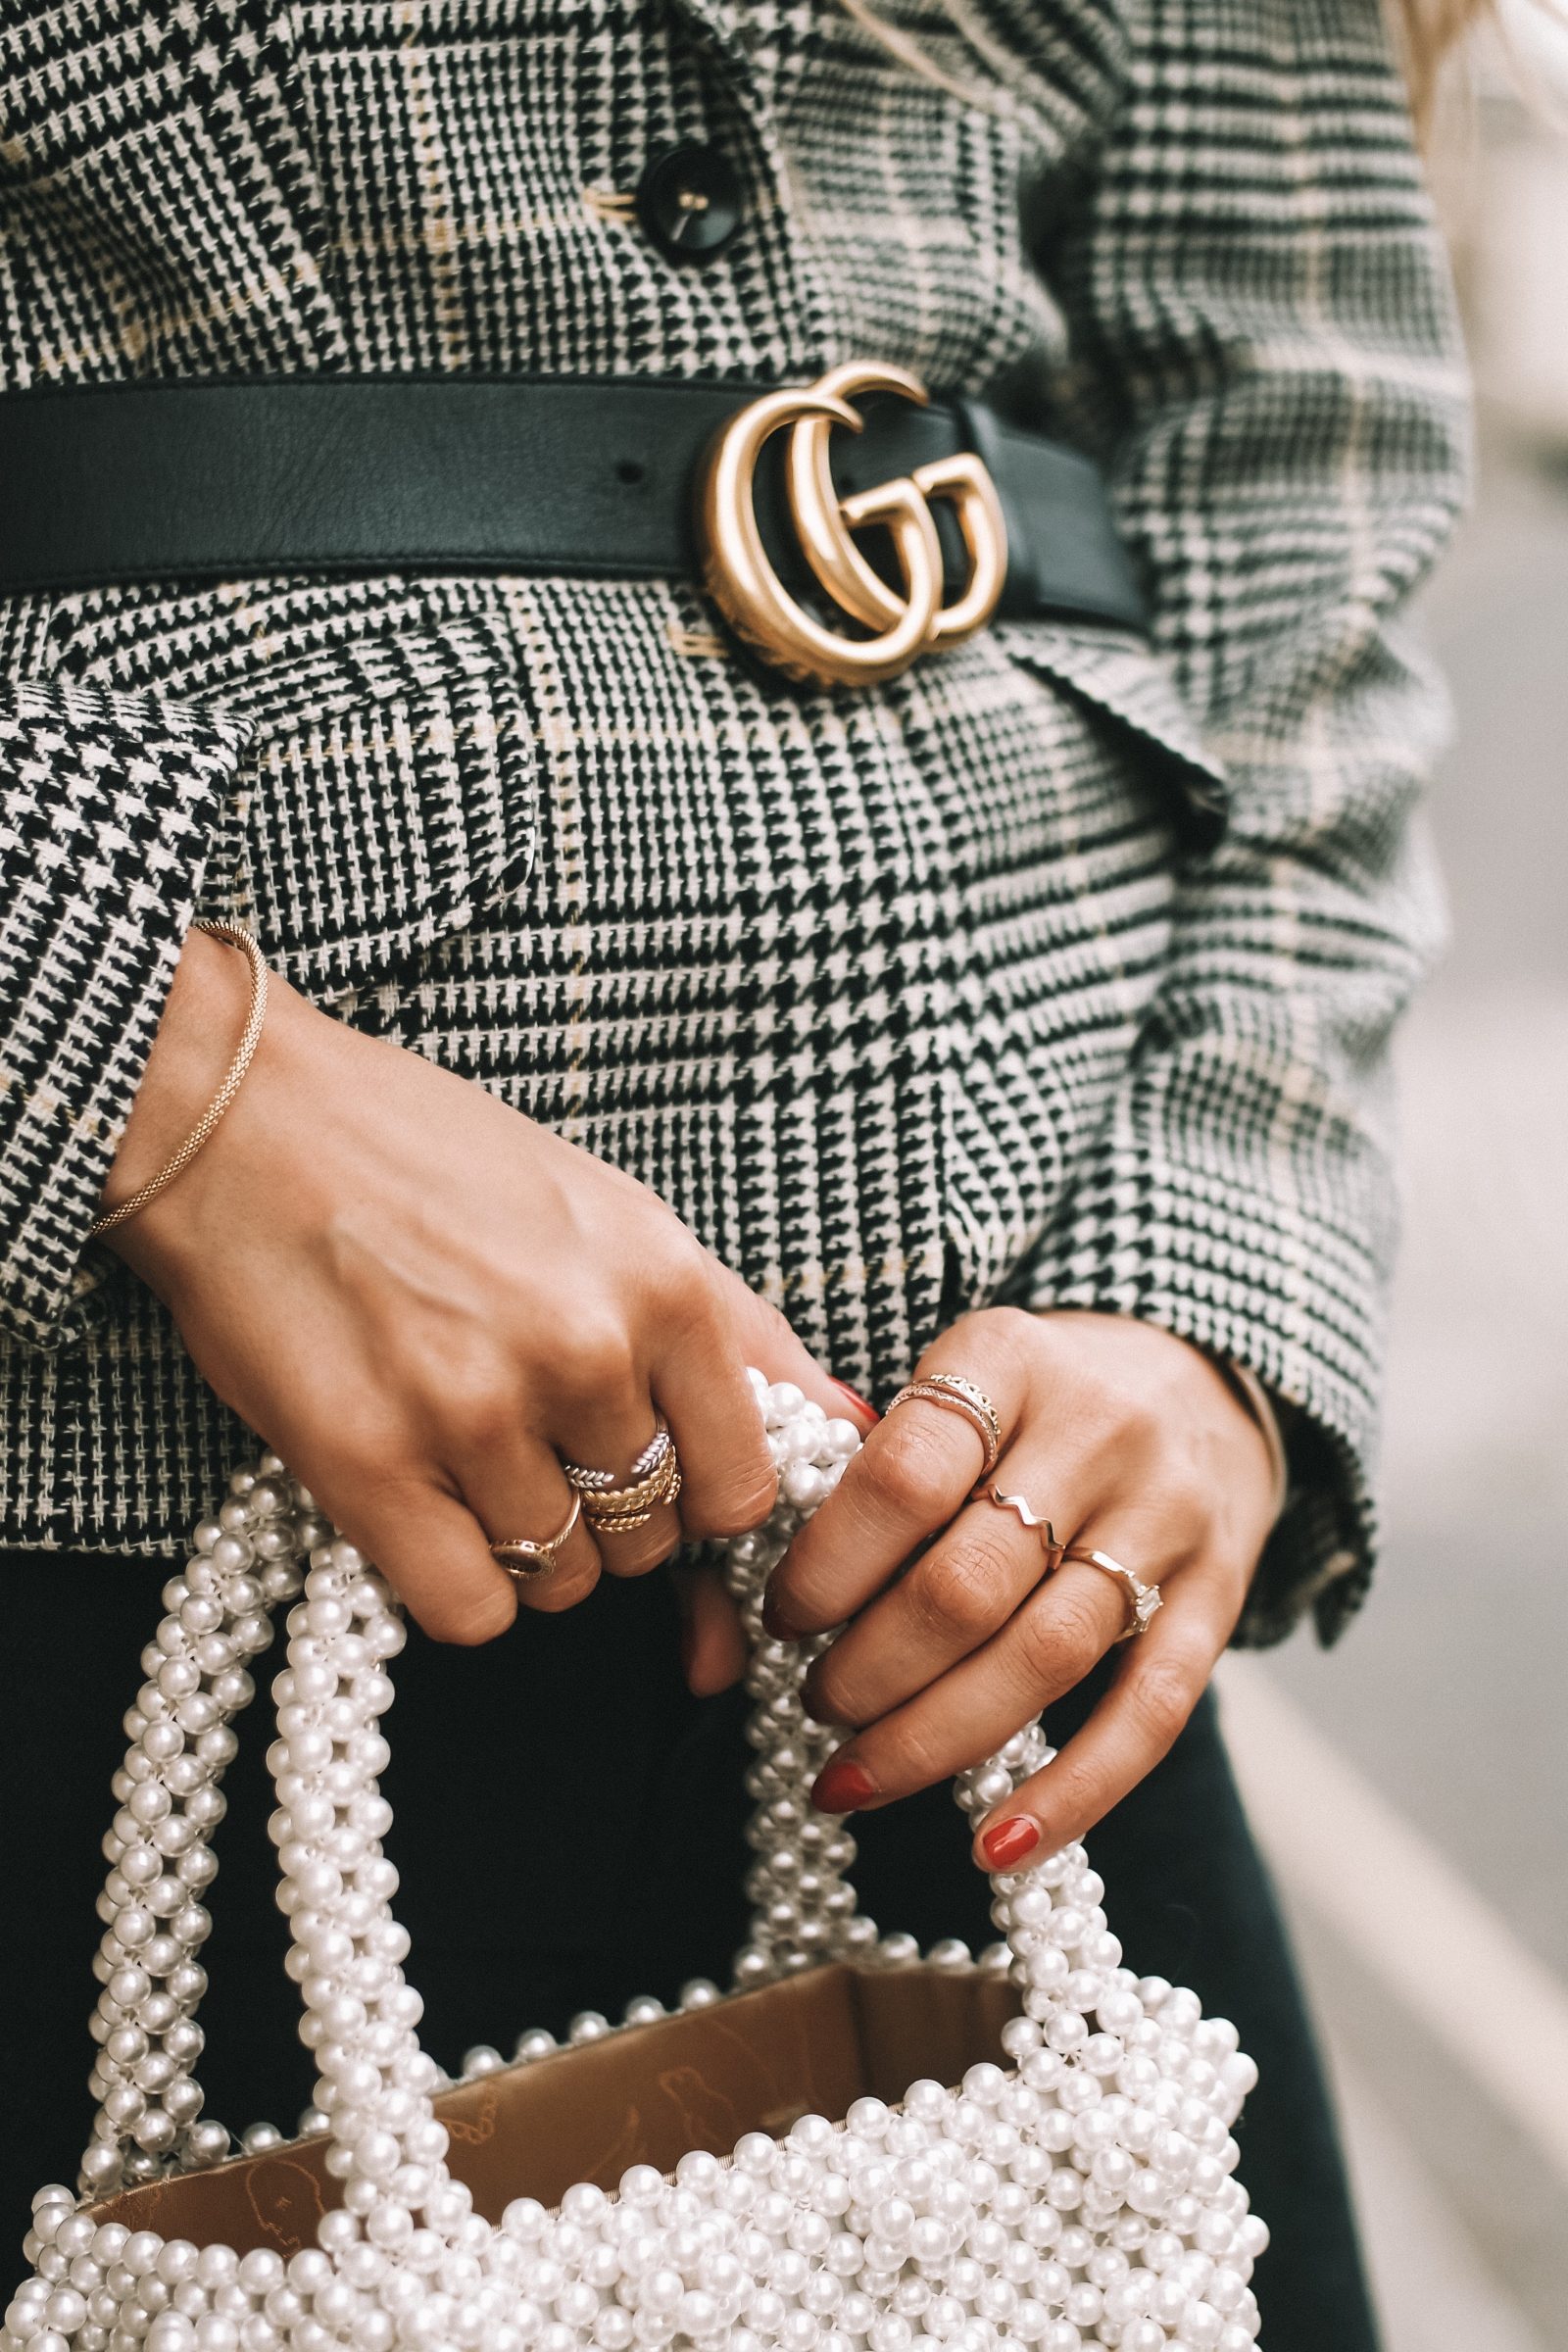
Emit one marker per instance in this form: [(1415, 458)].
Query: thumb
[(713, 1642), (767, 1339)]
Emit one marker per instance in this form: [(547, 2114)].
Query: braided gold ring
[(654, 1481), (959, 1396)]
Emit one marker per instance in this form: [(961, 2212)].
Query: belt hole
[(628, 470)]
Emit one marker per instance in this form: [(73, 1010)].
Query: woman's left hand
[(1129, 1441)]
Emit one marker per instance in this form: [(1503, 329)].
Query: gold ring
[(523, 1560), (1141, 1600), (1055, 1552), (959, 1396), (655, 1480)]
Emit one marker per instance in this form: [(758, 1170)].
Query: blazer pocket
[(373, 829), (1130, 685)]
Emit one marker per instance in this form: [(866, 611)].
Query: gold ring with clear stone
[(1141, 1600)]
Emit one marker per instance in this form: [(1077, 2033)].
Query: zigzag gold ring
[(1055, 1552)]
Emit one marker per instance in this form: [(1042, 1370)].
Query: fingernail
[(843, 1786), (1007, 1841), (778, 1621), (862, 1404)]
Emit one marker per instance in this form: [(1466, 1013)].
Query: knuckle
[(735, 1506), (1078, 1796), (677, 1271), (1081, 1635), (909, 1758), (599, 1357), (1057, 1645), (482, 1412), (1161, 1695), (367, 1449), (470, 1619), (910, 1469), (828, 1694), (1138, 1424), (563, 1591), (964, 1589), (732, 1496), (635, 1552), (1013, 1333)]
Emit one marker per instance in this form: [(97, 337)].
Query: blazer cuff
[(1189, 1247), (114, 811)]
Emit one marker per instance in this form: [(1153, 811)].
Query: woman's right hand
[(422, 1301)]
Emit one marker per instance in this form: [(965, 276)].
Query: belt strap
[(225, 477)]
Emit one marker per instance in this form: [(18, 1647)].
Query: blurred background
[(1411, 1787)]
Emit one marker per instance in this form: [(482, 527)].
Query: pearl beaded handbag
[(784, 2165)]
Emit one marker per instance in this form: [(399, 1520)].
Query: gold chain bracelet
[(237, 936)]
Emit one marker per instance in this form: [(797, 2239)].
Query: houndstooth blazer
[(907, 999)]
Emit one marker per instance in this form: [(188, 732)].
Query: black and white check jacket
[(906, 1000)]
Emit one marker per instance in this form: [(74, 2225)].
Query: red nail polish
[(862, 1404), (1007, 1841), (842, 1786)]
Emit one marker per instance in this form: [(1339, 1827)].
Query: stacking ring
[(523, 1560), (1141, 1600), (654, 1479), (1054, 1551), (959, 1396)]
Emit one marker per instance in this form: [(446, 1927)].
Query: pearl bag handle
[(374, 2084), (802, 1903)]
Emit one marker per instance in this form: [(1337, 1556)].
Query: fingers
[(1062, 1630), (712, 1638), (1164, 1673), (728, 1482), (610, 1436), (521, 1491), (762, 1336), (959, 1592), (910, 1478), (435, 1556)]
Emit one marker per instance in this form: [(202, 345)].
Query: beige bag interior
[(755, 2062)]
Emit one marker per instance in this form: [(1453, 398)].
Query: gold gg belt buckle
[(742, 582)]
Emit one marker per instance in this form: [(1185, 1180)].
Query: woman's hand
[(423, 1301), (1125, 1438)]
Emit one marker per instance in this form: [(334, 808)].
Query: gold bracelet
[(199, 1134)]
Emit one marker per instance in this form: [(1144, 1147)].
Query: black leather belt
[(218, 478)]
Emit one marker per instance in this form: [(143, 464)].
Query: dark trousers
[(569, 1833)]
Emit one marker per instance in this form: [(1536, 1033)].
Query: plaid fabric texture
[(906, 1000)]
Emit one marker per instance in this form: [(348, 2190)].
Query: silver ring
[(653, 1482)]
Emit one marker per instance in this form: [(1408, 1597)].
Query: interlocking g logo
[(749, 592)]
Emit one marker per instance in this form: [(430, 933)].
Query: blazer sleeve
[(1265, 354), (113, 809)]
